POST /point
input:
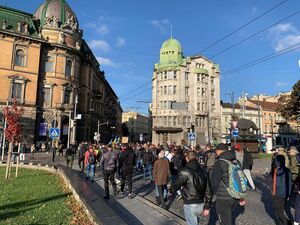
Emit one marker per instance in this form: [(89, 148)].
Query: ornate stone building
[(48, 67), (185, 94)]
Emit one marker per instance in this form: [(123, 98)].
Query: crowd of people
[(203, 177)]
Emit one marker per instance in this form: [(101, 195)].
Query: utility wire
[(241, 27)]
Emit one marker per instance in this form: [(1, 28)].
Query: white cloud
[(284, 35), (102, 30), (106, 62), (120, 42), (163, 25), (99, 44), (287, 41), (281, 84)]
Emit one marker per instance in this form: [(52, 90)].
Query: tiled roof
[(237, 106), (267, 106)]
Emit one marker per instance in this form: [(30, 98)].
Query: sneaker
[(130, 196), (106, 197), (118, 181)]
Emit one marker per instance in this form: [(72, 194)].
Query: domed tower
[(170, 53), (58, 23)]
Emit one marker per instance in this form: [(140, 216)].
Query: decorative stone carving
[(61, 38), (78, 45), (4, 24), (52, 22), (70, 23)]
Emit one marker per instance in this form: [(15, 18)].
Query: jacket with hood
[(282, 179), (195, 185), (220, 177)]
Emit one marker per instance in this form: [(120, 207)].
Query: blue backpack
[(237, 180)]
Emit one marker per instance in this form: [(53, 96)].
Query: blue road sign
[(192, 136), (235, 132), (54, 133)]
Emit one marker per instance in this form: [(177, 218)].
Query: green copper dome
[(57, 14), (170, 54)]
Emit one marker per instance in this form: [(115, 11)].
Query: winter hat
[(222, 147)]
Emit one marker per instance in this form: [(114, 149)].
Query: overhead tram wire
[(241, 27), (138, 88), (236, 30), (253, 35)]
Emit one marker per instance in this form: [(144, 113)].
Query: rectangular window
[(47, 95), (16, 91), (198, 91), (49, 65), (170, 121), (175, 75), (170, 89), (203, 78), (175, 121), (186, 91), (67, 96), (165, 121), (174, 89), (186, 76), (203, 94), (184, 120), (212, 93), (198, 106), (165, 90), (198, 77), (166, 75)]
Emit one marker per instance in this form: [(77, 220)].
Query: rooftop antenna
[(171, 31)]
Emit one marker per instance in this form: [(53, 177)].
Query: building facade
[(138, 126), (48, 67), (185, 96)]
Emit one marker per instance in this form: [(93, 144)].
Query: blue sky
[(126, 36)]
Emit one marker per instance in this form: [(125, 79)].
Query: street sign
[(141, 137), (192, 136), (43, 129), (235, 132), (54, 133)]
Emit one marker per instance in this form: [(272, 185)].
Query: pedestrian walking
[(210, 159), (148, 163), (32, 151), (53, 152), (161, 173), (69, 155), (246, 160), (81, 157), (127, 162), (195, 187), (282, 186), (109, 165), (90, 162), (61, 150), (140, 152), (228, 184), (22, 152)]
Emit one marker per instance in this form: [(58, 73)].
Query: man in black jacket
[(127, 161), (225, 204), (195, 190)]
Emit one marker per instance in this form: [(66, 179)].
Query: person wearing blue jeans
[(148, 169), (90, 162), (195, 188), (148, 162)]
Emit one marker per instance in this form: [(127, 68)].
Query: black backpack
[(92, 158)]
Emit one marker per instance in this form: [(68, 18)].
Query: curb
[(57, 171), (166, 213)]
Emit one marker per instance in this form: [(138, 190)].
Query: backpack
[(237, 180), (92, 158)]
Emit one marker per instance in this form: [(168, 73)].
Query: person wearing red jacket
[(90, 162)]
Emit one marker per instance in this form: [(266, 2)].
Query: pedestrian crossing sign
[(192, 136), (54, 133)]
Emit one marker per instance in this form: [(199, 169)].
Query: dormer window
[(22, 27)]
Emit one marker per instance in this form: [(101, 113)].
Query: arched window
[(69, 65), (49, 64), (20, 58), (67, 95)]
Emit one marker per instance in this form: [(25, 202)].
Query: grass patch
[(35, 197), (265, 156)]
